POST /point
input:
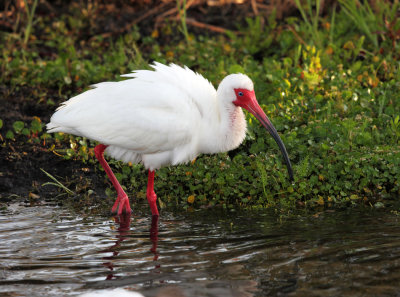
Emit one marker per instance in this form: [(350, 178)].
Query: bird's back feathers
[(156, 112)]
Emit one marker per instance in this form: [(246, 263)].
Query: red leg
[(154, 237), (151, 195), (122, 198)]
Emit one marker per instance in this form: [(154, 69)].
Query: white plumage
[(161, 117)]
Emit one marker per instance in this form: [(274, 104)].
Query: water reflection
[(123, 232), (48, 251), (154, 239), (124, 222)]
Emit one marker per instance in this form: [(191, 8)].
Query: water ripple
[(45, 251)]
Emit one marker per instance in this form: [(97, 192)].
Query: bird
[(166, 115)]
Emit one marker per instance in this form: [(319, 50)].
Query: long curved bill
[(253, 106)]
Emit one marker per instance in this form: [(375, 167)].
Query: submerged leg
[(122, 198), (151, 195)]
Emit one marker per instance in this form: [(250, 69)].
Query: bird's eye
[(240, 94)]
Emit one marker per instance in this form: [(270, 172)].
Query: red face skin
[(247, 100)]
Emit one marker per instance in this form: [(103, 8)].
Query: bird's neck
[(235, 131), (227, 132)]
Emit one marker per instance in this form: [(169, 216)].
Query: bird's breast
[(238, 127), (225, 134)]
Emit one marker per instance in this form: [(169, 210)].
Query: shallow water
[(46, 251)]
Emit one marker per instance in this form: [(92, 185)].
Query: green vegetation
[(56, 183), (330, 84)]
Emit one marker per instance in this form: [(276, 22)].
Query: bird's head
[(239, 88)]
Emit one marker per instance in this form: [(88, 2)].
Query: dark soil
[(20, 161)]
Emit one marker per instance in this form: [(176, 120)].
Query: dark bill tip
[(271, 129)]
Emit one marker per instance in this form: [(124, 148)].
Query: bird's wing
[(154, 112), (198, 89), (145, 117)]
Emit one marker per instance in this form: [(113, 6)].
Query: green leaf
[(10, 134), (36, 126), (236, 69), (25, 131), (18, 126), (220, 180)]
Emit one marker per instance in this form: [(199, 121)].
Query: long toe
[(115, 206), (124, 206)]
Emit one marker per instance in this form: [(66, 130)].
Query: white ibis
[(160, 117)]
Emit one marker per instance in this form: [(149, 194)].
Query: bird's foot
[(122, 204), (152, 199)]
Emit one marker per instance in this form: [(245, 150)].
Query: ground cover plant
[(329, 82)]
